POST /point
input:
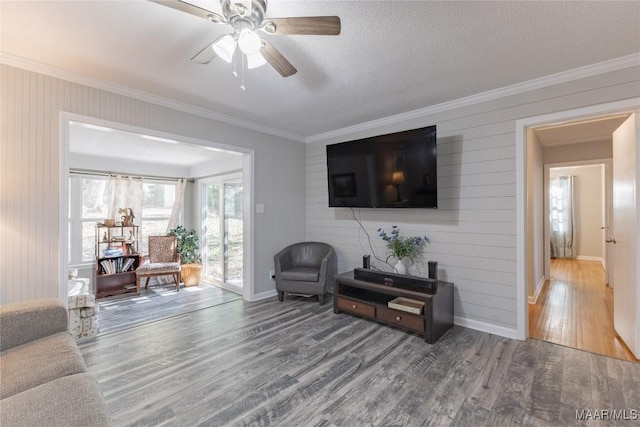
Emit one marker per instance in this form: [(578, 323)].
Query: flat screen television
[(396, 170)]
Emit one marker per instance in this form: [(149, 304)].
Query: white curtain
[(125, 192), (177, 204), (563, 238)]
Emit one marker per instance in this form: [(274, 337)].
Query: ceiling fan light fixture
[(224, 47), (256, 60), (249, 42)]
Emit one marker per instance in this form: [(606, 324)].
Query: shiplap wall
[(473, 233), (31, 191)]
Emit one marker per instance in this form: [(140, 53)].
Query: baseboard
[(536, 292), (264, 295), (486, 327), (590, 258)]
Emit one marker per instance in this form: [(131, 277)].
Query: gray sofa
[(305, 268), (43, 377)]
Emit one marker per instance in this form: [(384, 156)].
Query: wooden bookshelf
[(117, 258)]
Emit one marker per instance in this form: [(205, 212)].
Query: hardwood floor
[(575, 308), (296, 363), (157, 302)]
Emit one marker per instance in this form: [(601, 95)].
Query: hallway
[(575, 309)]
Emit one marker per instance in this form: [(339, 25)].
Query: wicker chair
[(163, 260)]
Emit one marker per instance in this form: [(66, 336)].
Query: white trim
[(590, 258), (628, 61), (623, 62), (264, 295), (485, 327), (605, 162), (37, 67), (534, 299), (248, 186), (63, 248), (521, 190)]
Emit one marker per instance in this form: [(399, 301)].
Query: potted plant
[(401, 248), (189, 251)]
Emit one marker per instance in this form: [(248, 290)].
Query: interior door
[(623, 238), (607, 227)]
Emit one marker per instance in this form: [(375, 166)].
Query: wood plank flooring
[(296, 363), (157, 302), (575, 308)]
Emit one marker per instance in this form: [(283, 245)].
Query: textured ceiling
[(392, 56)]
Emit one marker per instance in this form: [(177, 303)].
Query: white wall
[(588, 205), (473, 233), (578, 152), (30, 169), (535, 215)]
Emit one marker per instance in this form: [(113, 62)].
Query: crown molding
[(628, 61), (37, 67)]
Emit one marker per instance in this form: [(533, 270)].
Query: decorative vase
[(400, 267), (191, 274)]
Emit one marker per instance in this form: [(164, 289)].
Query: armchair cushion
[(158, 268), (301, 274)]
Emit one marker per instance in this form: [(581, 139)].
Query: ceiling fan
[(246, 17)]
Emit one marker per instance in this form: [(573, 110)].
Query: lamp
[(255, 60), (249, 42), (224, 47), (397, 178)]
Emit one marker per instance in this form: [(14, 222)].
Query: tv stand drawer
[(402, 319), (356, 307)]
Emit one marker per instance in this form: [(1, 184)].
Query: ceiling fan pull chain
[(242, 86), (235, 64)]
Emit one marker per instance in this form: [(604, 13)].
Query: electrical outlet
[(272, 274)]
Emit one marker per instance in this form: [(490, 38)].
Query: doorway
[(532, 274), (222, 206), (575, 305), (121, 154)]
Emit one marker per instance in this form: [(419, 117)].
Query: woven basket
[(191, 274)]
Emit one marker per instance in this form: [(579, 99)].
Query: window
[(89, 203), (157, 203), (222, 209)]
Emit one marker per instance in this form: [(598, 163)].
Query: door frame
[(200, 200), (618, 107), (248, 174), (606, 163)]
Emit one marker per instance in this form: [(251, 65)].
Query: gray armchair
[(305, 268)]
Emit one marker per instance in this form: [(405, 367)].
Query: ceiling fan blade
[(277, 61), (304, 25), (206, 55), (191, 9)]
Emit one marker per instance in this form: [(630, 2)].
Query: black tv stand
[(369, 300)]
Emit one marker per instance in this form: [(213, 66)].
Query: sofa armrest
[(27, 321)]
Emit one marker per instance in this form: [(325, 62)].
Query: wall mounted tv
[(397, 170)]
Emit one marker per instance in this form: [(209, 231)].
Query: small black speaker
[(433, 270), (366, 261)]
